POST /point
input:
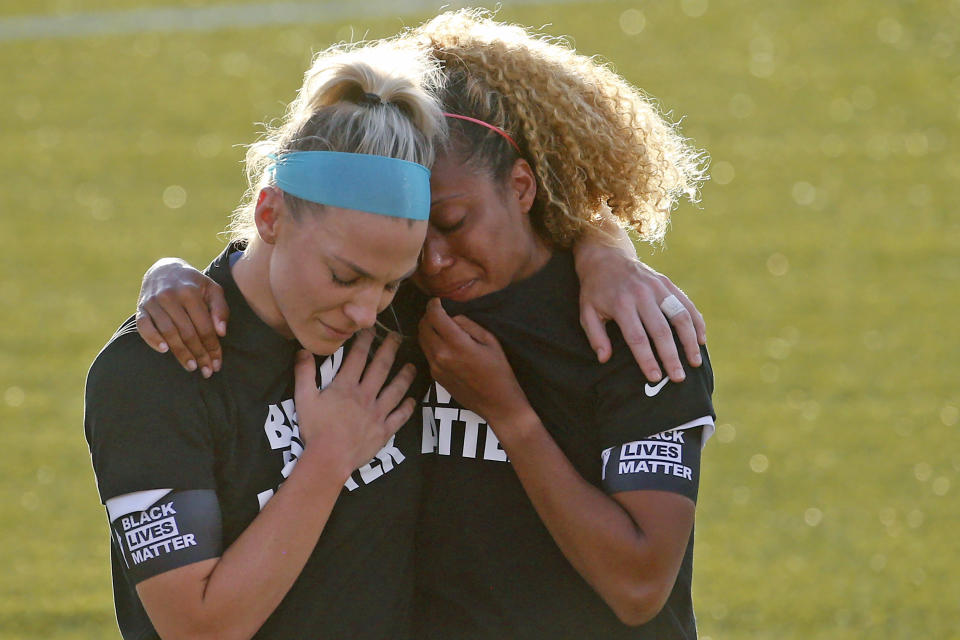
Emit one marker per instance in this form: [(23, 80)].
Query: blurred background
[(825, 255)]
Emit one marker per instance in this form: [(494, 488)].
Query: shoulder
[(126, 363), (133, 392), (540, 313), (145, 420), (631, 407), (622, 364)]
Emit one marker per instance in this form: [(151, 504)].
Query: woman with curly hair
[(561, 495)]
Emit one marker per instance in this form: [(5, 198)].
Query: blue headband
[(360, 181)]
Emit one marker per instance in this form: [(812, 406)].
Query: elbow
[(203, 635), (640, 604), (202, 630)]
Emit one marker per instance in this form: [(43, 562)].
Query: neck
[(252, 275), (538, 255)]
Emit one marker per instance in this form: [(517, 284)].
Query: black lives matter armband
[(668, 461), (162, 529)]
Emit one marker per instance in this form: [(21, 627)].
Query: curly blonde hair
[(374, 98), (591, 138)]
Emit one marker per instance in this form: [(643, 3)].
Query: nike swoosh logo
[(652, 391)]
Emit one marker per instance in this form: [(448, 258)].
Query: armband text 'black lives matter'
[(159, 530)]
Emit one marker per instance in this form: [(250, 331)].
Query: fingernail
[(657, 376), (679, 375), (191, 365), (206, 372), (163, 347), (216, 365), (222, 327)]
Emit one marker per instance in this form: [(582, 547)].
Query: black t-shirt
[(486, 564), (151, 425)]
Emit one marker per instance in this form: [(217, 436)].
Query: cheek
[(462, 247), (294, 281)]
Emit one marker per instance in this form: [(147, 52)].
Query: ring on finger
[(671, 306)]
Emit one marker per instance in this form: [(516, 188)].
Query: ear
[(268, 214), (523, 183)]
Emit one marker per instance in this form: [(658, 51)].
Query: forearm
[(597, 536), (607, 234), (253, 575)]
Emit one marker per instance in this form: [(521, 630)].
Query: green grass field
[(825, 255)]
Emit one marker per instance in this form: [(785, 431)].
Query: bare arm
[(231, 596), (616, 286), (628, 546)]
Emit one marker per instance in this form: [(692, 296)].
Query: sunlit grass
[(825, 255)]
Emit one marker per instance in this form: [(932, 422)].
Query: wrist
[(517, 427), (324, 465), (168, 264), (592, 254)]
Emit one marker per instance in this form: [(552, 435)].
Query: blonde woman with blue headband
[(231, 500)]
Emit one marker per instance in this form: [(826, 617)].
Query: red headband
[(488, 126)]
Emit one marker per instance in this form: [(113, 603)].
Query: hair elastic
[(370, 99), (365, 182), (488, 126)]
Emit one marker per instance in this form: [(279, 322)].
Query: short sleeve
[(160, 530), (629, 408), (668, 461), (145, 421)]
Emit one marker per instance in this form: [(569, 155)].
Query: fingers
[(683, 324), (661, 337), (440, 336), (379, 367), (181, 310), (596, 332), (171, 335), (399, 416), (635, 330), (205, 345), (699, 325), (441, 323), (305, 377), (149, 332), (356, 359), (426, 337), (393, 393), (474, 330), (219, 311)]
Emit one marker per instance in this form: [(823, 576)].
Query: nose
[(362, 309), (436, 254)]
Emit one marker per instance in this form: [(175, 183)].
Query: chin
[(467, 291), (326, 349), (319, 345)]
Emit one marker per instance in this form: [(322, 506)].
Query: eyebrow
[(452, 196), (363, 273)]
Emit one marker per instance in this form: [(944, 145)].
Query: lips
[(459, 291), (336, 333)]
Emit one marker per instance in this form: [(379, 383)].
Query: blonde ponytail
[(377, 99)]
